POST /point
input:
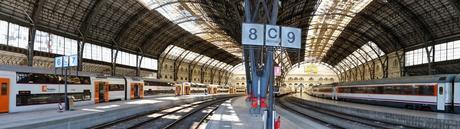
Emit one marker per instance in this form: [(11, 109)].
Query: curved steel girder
[(344, 71), (359, 37), (354, 62), (133, 20), (210, 58), (184, 36), (213, 71), (456, 5), (154, 35), (412, 16), (302, 12), (36, 12), (188, 47), (355, 46), (97, 7), (191, 44), (367, 37), (386, 28), (202, 73), (177, 66), (201, 57), (162, 29)]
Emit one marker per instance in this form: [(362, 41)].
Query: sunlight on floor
[(107, 106), (92, 110), (144, 102)]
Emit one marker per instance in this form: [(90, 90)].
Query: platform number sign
[(252, 34), (66, 61), (73, 60), (272, 37), (290, 37), (58, 62)]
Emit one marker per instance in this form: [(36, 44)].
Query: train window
[(4, 89), (25, 98), (406, 90), (35, 78), (441, 90), (424, 90), (116, 87)]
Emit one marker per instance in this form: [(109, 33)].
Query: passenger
[(205, 92)]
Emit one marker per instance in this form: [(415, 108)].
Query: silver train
[(434, 93)]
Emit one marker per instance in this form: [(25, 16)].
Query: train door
[(101, 92), (141, 90), (441, 96), (135, 91), (4, 94)]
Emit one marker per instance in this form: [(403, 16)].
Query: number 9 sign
[(290, 37)]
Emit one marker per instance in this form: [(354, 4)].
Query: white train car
[(117, 88), (212, 89), (157, 87), (223, 89), (432, 92), (27, 89), (198, 88)]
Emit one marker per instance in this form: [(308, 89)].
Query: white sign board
[(252, 34), (58, 62), (272, 35), (66, 61), (73, 60), (277, 71), (290, 37)]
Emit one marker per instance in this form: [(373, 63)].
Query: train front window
[(4, 89), (441, 90)]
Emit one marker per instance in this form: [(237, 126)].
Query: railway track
[(333, 119), (181, 117)]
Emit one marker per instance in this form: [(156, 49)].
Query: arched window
[(310, 84), (320, 78), (237, 78), (243, 78), (237, 83), (290, 78), (166, 66), (301, 78), (295, 84), (295, 78), (242, 83), (290, 84), (311, 79), (332, 79)]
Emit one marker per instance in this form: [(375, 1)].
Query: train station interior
[(229, 64)]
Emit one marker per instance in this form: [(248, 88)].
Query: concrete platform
[(92, 115), (234, 114), (413, 118)]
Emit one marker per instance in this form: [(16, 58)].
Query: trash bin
[(71, 100)]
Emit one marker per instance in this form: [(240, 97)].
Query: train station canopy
[(335, 32)]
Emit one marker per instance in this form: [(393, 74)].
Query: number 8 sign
[(253, 34)]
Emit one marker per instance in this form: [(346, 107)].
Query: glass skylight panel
[(329, 21), (368, 52), (191, 18)]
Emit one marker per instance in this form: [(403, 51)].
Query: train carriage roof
[(408, 79), (26, 69)]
